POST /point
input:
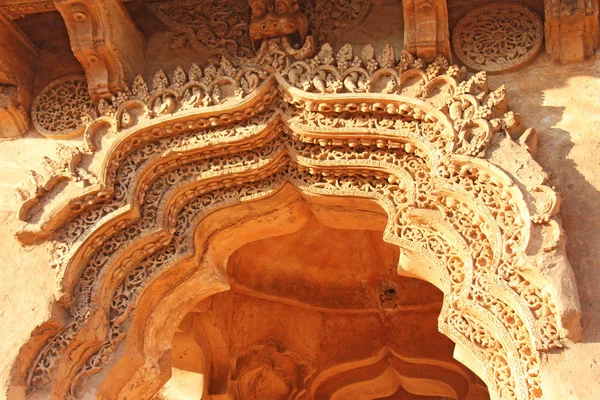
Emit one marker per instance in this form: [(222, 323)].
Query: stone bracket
[(571, 29), (426, 31), (106, 41)]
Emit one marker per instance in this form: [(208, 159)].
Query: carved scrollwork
[(498, 37), (329, 20), (217, 26)]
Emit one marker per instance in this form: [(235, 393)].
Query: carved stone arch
[(467, 206), (389, 373)]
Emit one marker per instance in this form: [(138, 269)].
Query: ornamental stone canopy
[(294, 199)]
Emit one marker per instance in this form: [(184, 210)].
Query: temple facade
[(300, 199)]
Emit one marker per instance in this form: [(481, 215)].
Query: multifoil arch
[(413, 138)]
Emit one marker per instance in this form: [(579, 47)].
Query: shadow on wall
[(561, 102)]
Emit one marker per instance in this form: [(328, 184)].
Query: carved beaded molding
[(416, 139), (498, 37)]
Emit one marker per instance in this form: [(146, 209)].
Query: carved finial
[(140, 89), (407, 61), (160, 81), (326, 54), (195, 73), (210, 73), (345, 56), (388, 57), (179, 77), (225, 67), (368, 58), (105, 108)]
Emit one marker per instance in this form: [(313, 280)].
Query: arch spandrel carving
[(415, 139)]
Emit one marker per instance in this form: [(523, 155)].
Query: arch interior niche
[(286, 300)]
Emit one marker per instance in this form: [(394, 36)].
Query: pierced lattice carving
[(498, 37), (61, 109)]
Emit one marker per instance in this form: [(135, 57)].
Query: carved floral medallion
[(498, 37), (60, 110)]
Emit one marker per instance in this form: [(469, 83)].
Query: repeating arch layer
[(412, 138)]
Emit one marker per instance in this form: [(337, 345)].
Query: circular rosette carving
[(60, 110), (498, 37)]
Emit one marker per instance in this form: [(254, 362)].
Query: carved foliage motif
[(498, 37), (220, 26), (408, 142), (329, 20), (229, 27), (61, 109)]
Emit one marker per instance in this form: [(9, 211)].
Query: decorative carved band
[(216, 26)]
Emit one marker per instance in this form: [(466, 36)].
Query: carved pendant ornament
[(412, 137), (498, 37)]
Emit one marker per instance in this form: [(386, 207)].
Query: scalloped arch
[(166, 163)]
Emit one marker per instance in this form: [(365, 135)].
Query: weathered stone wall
[(563, 104)]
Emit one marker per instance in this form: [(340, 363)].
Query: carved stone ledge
[(14, 121), (18, 8), (106, 42), (18, 60), (426, 31), (571, 29)]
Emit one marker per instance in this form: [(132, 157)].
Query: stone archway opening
[(318, 313), (420, 155)]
